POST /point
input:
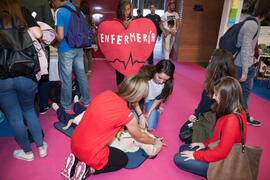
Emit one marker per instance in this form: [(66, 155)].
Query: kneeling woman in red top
[(195, 157), (106, 115)]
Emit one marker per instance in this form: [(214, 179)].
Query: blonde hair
[(133, 88)]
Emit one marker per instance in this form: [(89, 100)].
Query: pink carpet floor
[(186, 95)]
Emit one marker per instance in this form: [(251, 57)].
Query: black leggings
[(119, 77), (117, 160)]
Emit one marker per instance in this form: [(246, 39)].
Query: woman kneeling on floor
[(195, 157), (107, 114), (160, 81)]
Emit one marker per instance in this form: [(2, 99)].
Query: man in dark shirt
[(139, 14), (156, 20)]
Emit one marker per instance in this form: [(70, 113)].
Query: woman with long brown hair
[(17, 93), (195, 157), (160, 81), (221, 64)]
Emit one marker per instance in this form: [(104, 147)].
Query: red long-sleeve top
[(229, 127)]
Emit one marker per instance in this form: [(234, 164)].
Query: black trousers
[(43, 86), (119, 77), (117, 160), (64, 117), (150, 58)]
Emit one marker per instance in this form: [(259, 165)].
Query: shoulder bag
[(242, 163)]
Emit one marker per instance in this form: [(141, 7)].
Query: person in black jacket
[(124, 15), (139, 14), (221, 64), (156, 20)]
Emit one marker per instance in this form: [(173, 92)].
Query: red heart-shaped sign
[(127, 49)]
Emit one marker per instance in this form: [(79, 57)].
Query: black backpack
[(185, 133), (229, 40), (18, 56), (78, 35)]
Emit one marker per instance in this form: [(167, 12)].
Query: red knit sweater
[(230, 135)]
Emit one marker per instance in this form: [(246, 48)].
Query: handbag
[(203, 128), (200, 130), (242, 163), (185, 133), (18, 56)]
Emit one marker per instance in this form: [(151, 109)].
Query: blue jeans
[(247, 85), (17, 101), (154, 116), (65, 117), (193, 166), (67, 61)]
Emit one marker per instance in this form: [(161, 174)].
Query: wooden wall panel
[(199, 30)]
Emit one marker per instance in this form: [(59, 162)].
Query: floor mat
[(5, 130), (59, 126), (261, 88)]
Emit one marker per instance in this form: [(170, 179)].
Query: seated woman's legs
[(134, 112), (154, 116), (117, 160), (193, 166)]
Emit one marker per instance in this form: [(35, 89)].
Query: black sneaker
[(253, 122), (44, 110)]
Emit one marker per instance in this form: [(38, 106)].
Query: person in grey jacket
[(244, 60)]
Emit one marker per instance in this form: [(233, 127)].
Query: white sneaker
[(55, 106), (43, 152), (20, 154), (76, 99)]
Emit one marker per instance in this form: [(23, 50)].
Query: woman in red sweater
[(195, 157)]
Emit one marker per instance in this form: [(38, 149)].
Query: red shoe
[(69, 163), (81, 171)]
